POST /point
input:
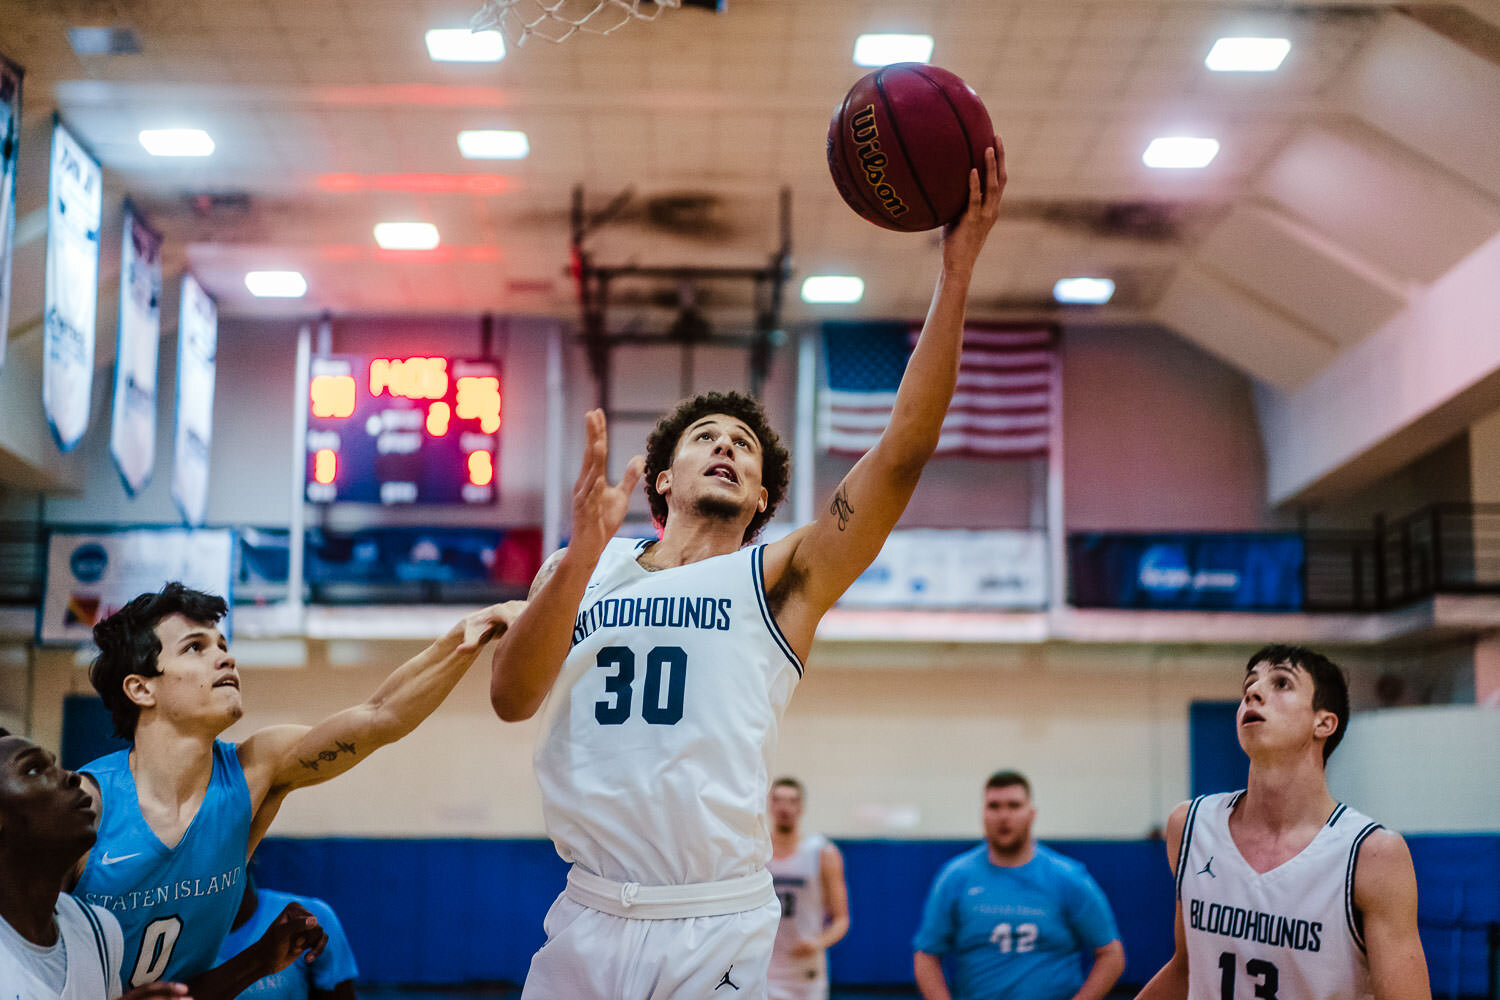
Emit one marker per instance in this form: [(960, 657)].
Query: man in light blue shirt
[(327, 976), (1018, 920)]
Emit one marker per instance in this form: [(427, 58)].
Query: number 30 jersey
[(657, 736), (1285, 934)]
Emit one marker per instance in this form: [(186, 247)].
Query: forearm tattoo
[(324, 756), (840, 507)]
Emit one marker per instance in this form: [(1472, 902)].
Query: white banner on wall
[(197, 348), (132, 432), (10, 148), (75, 205), (932, 568), (92, 574)]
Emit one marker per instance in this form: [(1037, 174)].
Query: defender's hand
[(292, 932), (490, 623), (599, 508)]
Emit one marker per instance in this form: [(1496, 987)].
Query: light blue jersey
[(1018, 933), (175, 905), (334, 966)]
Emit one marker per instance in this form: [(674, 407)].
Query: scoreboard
[(402, 430)]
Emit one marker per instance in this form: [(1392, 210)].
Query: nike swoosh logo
[(107, 860)]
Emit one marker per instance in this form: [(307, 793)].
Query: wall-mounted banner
[(197, 349), (955, 569), (92, 574), (1241, 572), (75, 205), (132, 431), (10, 147)]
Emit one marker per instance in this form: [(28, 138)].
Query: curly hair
[(128, 645), (661, 446)]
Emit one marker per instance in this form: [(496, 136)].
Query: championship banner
[(197, 348), (132, 431), (1223, 572), (955, 569), (75, 205), (92, 574), (10, 147)]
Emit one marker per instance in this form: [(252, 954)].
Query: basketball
[(902, 142)]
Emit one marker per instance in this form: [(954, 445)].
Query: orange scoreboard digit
[(403, 430)]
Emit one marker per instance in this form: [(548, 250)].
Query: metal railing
[(1440, 549)]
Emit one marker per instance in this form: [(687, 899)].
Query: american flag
[(1002, 407)]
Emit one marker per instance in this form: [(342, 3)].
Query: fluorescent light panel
[(463, 45), (276, 284), (493, 144), (1180, 152), (1084, 291), (177, 142), (1247, 55), (833, 288), (406, 235), (882, 50)]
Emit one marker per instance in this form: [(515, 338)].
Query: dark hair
[(1008, 779), (4, 732), (661, 445), (787, 782), (1330, 687), (128, 645)]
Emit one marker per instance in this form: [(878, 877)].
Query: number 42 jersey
[(657, 736)]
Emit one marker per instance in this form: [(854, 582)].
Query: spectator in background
[(330, 977), (1018, 919)]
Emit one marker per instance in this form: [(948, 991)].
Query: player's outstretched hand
[(293, 932), (599, 507), (962, 240), (159, 991), (490, 623)]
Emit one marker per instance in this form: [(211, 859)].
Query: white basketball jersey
[(799, 886), (657, 737), (90, 941), (1291, 932)]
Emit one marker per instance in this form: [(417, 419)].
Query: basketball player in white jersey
[(1283, 892), (669, 664), (808, 873)]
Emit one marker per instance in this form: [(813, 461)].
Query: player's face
[(786, 808), (42, 804), (1276, 710), (198, 684), (716, 471), (1008, 814)]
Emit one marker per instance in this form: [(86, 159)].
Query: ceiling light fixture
[(493, 144), (276, 284), (1084, 291), (1180, 152), (823, 289), (177, 142), (1247, 55), (882, 50), (406, 235), (463, 45)]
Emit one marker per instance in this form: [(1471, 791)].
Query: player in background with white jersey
[(1282, 891), (808, 873), (669, 664)]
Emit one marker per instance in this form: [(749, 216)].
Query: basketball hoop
[(559, 20)]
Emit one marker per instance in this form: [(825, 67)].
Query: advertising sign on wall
[(1241, 572), (955, 569)]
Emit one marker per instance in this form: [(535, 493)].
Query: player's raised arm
[(827, 555), (281, 758), (1385, 893), (527, 659)]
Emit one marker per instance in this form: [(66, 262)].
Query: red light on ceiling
[(481, 468), (418, 183)]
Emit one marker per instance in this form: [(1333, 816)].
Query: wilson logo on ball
[(867, 146)]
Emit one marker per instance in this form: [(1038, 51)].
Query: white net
[(559, 20)]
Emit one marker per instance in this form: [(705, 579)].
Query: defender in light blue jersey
[(181, 810), (329, 977), (1020, 921)]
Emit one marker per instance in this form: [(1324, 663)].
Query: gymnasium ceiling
[(1361, 172)]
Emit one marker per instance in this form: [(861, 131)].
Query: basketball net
[(559, 20)]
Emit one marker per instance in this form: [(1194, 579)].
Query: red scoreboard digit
[(403, 430)]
